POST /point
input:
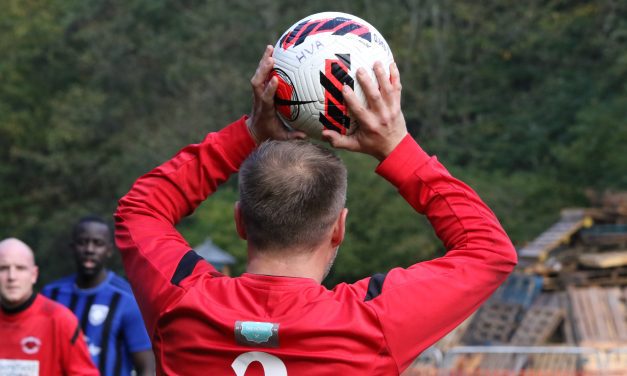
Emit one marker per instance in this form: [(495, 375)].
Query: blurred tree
[(525, 100)]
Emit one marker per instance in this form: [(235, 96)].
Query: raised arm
[(158, 261), (156, 256), (418, 305), (431, 298)]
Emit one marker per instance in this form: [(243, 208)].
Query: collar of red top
[(20, 308)]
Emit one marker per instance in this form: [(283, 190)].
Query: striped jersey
[(110, 319)]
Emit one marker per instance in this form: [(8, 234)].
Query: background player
[(104, 303), (277, 319), (38, 335)]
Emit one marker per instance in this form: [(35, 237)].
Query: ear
[(35, 274), (339, 228), (239, 222)]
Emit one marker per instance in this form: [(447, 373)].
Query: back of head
[(291, 193)]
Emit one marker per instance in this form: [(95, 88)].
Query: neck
[(19, 307), (85, 281), (306, 264)]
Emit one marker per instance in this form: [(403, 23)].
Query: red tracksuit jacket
[(202, 322)]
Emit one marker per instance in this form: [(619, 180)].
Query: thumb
[(340, 141), (296, 135)]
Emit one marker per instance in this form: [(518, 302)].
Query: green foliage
[(525, 203), (382, 231), (595, 155), (524, 100), (214, 218)]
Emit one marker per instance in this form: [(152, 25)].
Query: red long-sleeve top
[(43, 338), (200, 320)]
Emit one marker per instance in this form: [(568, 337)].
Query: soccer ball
[(313, 59)]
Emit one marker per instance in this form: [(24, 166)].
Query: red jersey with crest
[(42, 339), (202, 322)]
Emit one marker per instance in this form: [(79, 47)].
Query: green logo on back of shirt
[(254, 333)]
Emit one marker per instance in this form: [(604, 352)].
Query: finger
[(268, 51), (263, 69), (282, 131), (383, 79), (355, 107), (270, 91), (266, 68), (296, 135), (340, 141), (395, 81), (371, 91), (267, 60)]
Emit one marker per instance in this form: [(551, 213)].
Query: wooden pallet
[(604, 260), (605, 234), (552, 364), (596, 277), (494, 323), (520, 289), (538, 325), (607, 363), (599, 316), (570, 222), (559, 300), (500, 364)]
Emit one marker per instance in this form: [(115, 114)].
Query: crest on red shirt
[(30, 345), (257, 334)]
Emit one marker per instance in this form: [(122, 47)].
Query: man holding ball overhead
[(277, 318)]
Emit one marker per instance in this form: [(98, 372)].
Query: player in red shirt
[(39, 336), (277, 319)]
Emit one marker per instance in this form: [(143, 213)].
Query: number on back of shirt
[(272, 366)]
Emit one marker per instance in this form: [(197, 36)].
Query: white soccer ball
[(313, 59)]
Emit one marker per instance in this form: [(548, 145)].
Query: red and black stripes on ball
[(335, 76), (336, 26)]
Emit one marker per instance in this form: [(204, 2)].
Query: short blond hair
[(291, 192)]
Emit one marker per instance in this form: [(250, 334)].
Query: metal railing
[(520, 361)]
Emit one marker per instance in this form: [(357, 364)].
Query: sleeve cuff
[(238, 142), (404, 160)]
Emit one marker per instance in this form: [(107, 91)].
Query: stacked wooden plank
[(604, 260), (538, 325), (571, 221), (611, 362), (571, 290), (605, 234), (559, 300), (553, 364), (596, 277), (519, 289), (599, 316), (494, 324)]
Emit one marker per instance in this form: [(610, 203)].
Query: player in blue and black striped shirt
[(104, 304)]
